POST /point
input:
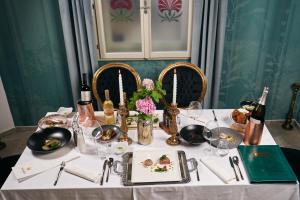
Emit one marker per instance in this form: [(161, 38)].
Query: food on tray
[(147, 162), (229, 138), (240, 115), (163, 164), (161, 169), (54, 120), (108, 134), (248, 107), (164, 160), (51, 143)]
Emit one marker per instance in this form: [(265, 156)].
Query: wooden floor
[(16, 138)]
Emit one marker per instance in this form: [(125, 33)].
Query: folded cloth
[(82, 172), (220, 166), (27, 170), (64, 111)]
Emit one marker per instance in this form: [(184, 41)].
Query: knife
[(104, 167), (198, 177), (231, 163), (215, 118)]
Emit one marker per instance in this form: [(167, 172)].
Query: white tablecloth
[(210, 186)]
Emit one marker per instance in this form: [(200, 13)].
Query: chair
[(293, 158), (5, 167), (106, 77), (191, 83)]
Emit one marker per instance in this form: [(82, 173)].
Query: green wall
[(33, 63), (262, 47), (147, 68)]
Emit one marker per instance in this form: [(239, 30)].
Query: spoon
[(235, 160), (110, 163), (111, 160)]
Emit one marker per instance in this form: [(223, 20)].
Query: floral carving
[(170, 10), (122, 10)]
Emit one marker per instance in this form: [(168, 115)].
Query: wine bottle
[(85, 91), (108, 108), (254, 127)]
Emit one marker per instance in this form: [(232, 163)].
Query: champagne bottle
[(85, 91), (254, 127), (108, 108)]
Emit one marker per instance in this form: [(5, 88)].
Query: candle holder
[(288, 122), (123, 112), (173, 140)]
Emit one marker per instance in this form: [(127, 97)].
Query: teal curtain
[(33, 63), (262, 47)]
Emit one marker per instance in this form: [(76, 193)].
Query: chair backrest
[(191, 83), (106, 77)]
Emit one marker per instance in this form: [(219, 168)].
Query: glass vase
[(145, 131)]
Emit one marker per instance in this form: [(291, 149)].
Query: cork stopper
[(106, 94)]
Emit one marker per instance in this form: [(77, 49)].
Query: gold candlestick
[(173, 140), (123, 112)]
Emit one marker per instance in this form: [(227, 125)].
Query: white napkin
[(82, 172), (27, 170), (220, 166), (64, 111)]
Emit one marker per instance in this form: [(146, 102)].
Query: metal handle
[(115, 165), (194, 163)]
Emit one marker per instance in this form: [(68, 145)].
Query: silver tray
[(126, 173)]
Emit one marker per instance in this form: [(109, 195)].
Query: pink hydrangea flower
[(148, 84), (145, 106)]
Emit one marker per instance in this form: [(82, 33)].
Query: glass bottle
[(254, 127), (85, 90), (108, 108), (84, 105)]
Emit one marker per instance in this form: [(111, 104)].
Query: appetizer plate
[(233, 137), (128, 162), (55, 120), (48, 139), (155, 172), (192, 134)]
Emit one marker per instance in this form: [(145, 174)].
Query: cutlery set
[(109, 164), (235, 161)]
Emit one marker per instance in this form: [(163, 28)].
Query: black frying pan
[(37, 139), (192, 134)]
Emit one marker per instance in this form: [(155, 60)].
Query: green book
[(266, 164)]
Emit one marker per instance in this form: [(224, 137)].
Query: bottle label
[(85, 96), (255, 121)]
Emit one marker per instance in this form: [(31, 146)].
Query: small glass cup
[(211, 132), (223, 147)]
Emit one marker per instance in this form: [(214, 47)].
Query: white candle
[(174, 88), (121, 89)]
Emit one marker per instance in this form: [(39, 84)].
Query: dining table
[(209, 187)]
